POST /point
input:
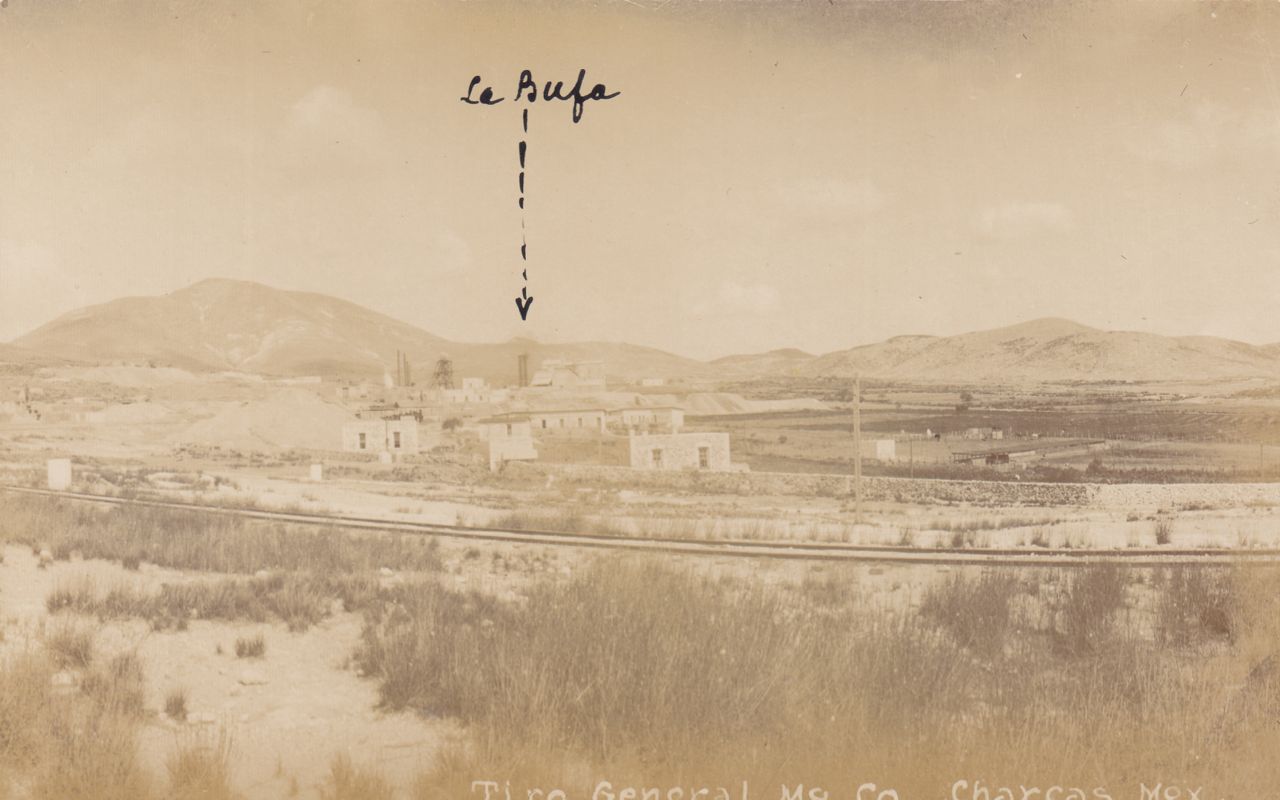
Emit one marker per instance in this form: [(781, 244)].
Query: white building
[(666, 419), (563, 374), (510, 438), (381, 436), (681, 451)]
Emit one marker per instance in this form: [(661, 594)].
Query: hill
[(1050, 350), (219, 324), (774, 362)]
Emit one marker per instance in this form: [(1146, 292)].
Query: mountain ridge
[(223, 324)]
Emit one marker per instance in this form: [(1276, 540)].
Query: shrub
[(1087, 606), (119, 685), (70, 645), (349, 782), (251, 647), (977, 613), (201, 770), (175, 704)]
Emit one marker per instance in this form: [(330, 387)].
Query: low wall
[(920, 491), (1175, 495)]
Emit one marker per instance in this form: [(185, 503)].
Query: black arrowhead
[(523, 305)]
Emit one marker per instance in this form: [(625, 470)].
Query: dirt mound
[(292, 418), (128, 413)]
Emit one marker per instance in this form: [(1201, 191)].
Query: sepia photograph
[(639, 400)]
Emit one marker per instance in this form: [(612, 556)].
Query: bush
[(977, 613), (349, 782), (70, 645), (251, 647), (201, 770), (119, 685), (175, 704), (1087, 607)]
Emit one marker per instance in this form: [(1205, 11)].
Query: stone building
[(646, 419), (681, 451), (510, 438), (395, 436), (568, 420)]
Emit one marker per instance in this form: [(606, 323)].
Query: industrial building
[(563, 374), (569, 420), (681, 451), (665, 419)]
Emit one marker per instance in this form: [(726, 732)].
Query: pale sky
[(772, 174)]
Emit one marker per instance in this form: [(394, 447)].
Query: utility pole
[(857, 450)]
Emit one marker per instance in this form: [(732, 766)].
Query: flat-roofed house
[(681, 451), (568, 420), (395, 436), (510, 438), (667, 419)]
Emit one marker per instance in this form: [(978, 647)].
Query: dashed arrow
[(523, 302)]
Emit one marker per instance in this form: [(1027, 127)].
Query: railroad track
[(814, 551)]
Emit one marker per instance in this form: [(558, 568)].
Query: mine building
[(642, 419), (569, 420), (563, 374)]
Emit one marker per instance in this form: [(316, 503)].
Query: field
[(174, 671)]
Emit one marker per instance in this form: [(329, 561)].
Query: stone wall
[(918, 491), (905, 490)]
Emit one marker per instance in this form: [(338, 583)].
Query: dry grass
[(77, 745), (977, 613), (204, 542), (251, 647), (70, 645), (175, 704), (632, 668), (200, 769), (346, 781), (300, 601)]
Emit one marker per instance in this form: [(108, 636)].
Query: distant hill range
[(1052, 350), (218, 325)]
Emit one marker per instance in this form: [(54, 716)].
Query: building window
[(395, 439), (362, 441), (579, 422), (508, 429), (562, 422), (704, 457), (657, 458), (544, 423)]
